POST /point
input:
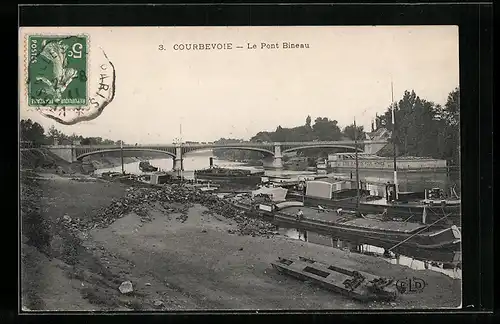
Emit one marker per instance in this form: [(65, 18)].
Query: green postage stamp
[(57, 71)]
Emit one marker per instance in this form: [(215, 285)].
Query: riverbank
[(113, 162), (180, 249), (42, 160)]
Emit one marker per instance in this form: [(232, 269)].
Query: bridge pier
[(178, 163), (65, 152), (278, 157)]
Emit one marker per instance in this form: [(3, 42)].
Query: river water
[(448, 263), (408, 181), (197, 162)]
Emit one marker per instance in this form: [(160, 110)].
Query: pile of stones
[(174, 198)]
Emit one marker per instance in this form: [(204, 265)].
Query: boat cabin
[(267, 197), (274, 194), (156, 178), (279, 181), (330, 188)]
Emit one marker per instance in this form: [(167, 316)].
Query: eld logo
[(410, 285)]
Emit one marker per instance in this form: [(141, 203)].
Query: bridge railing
[(210, 145), (242, 144), (333, 143)]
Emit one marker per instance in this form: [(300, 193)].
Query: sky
[(344, 74)]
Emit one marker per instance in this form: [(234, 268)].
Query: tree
[(326, 130), (350, 132), (424, 128), (32, 131), (450, 116), (53, 134), (231, 154), (85, 141), (261, 137), (308, 121)]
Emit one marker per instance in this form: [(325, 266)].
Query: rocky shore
[(42, 160), (113, 162)]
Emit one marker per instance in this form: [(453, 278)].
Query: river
[(408, 181), (196, 162), (446, 262)]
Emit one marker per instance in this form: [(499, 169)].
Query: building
[(369, 160), (380, 134), (347, 162)]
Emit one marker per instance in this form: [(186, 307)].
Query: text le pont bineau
[(230, 46)]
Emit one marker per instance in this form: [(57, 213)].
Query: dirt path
[(177, 263)]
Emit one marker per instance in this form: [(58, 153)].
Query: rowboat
[(358, 285)]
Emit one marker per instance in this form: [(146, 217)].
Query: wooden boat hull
[(404, 211), (147, 168), (447, 238), (357, 285), (443, 239), (249, 179)]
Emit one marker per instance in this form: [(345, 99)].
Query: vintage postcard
[(240, 168)]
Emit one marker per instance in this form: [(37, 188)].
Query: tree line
[(34, 132), (323, 129), (423, 129)]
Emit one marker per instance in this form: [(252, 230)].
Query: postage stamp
[(64, 79), (57, 70)]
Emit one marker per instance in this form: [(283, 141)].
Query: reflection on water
[(192, 163), (293, 233), (451, 268), (408, 181)]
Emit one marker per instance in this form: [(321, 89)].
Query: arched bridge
[(177, 151)]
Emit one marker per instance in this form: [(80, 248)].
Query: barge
[(145, 166), (336, 194), (217, 174), (354, 226)]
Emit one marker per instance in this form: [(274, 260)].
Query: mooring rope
[(418, 232)]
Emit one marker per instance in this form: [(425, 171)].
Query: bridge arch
[(128, 149), (292, 149), (236, 147)]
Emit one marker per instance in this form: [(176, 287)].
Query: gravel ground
[(177, 255)]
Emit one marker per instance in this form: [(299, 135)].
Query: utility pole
[(182, 158), (121, 156), (357, 166), (394, 141)]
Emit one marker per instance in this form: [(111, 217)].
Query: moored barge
[(145, 166), (355, 226), (217, 174), (336, 194)]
